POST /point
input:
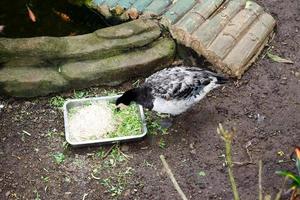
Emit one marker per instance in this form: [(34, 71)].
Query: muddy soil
[(264, 106)]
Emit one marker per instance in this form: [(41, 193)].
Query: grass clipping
[(99, 120)]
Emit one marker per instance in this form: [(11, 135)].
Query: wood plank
[(200, 12), (207, 7), (98, 2), (178, 9), (111, 3), (141, 5), (157, 7), (230, 35), (247, 47), (210, 29), (126, 3)]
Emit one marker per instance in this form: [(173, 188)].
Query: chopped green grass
[(153, 125), (45, 178), (73, 111), (116, 184), (128, 120), (100, 153), (201, 173), (59, 157), (162, 144), (57, 101), (37, 195), (80, 94)]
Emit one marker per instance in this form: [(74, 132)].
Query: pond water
[(30, 18)]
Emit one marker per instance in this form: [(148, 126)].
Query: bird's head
[(213, 81), (128, 97)]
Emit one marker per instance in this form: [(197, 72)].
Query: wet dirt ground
[(264, 106)]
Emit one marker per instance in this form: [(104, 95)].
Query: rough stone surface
[(110, 41), (30, 81), (42, 65), (216, 29), (119, 68)]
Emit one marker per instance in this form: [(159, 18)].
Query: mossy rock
[(42, 65)]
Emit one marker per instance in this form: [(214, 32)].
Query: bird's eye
[(206, 82)]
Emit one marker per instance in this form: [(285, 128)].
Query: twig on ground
[(18, 157), (250, 161), (26, 133), (84, 195), (260, 196), (108, 151), (95, 177), (278, 195), (228, 137), (126, 156), (268, 197), (169, 172)]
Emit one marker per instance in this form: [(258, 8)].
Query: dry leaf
[(279, 59), (268, 197), (119, 10), (133, 13)]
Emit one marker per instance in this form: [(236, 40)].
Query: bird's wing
[(178, 82)]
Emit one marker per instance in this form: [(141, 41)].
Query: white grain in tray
[(91, 122)]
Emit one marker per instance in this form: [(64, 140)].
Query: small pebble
[(7, 193), (202, 185), (166, 123), (124, 148), (127, 193), (192, 146), (283, 82), (193, 151), (260, 118), (27, 103)]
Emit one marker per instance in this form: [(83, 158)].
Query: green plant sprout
[(295, 185), (57, 101), (59, 157)]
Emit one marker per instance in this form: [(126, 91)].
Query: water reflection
[(23, 18)]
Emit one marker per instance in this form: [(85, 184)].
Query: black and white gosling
[(173, 90)]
